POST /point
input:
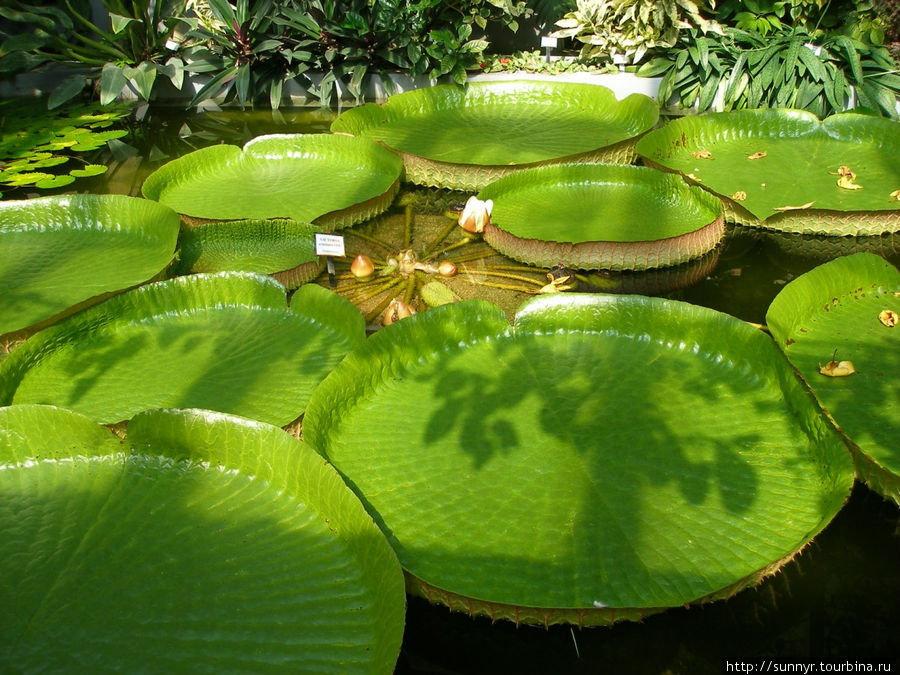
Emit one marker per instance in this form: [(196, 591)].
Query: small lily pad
[(89, 170), (54, 182)]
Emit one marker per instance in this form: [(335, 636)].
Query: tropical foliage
[(250, 48), (137, 48), (629, 28), (257, 47), (743, 69)]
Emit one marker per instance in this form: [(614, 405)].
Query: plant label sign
[(331, 245)]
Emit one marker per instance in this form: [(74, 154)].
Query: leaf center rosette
[(786, 170), (328, 180), (464, 137), (602, 458), (601, 216)]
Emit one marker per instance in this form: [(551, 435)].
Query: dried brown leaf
[(889, 317), (794, 208), (837, 368)]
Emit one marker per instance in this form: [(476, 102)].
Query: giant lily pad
[(225, 342), (465, 137), (203, 543), (601, 216), (787, 170), (604, 457), (841, 311), (56, 252), (334, 180), (284, 249)]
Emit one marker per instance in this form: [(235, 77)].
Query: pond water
[(838, 601)]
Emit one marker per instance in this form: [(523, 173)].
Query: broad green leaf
[(609, 455), (143, 75), (225, 342), (119, 22), (263, 246), (297, 176), (54, 182), (202, 543), (833, 313), (592, 216), (89, 170), (800, 167), (242, 83), (68, 89), (56, 252), (448, 131)]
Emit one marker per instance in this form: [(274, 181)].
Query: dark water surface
[(836, 606)]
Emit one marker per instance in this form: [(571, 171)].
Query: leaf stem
[(372, 240), (444, 234), (504, 275)]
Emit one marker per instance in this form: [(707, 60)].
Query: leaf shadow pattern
[(649, 484), (257, 362), (200, 544)]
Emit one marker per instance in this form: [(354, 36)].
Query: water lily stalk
[(444, 234), (451, 247), (505, 287), (513, 268), (373, 240), (410, 289), (407, 226), (364, 291), (477, 254), (505, 275)]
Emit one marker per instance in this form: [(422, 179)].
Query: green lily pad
[(202, 543), (335, 181), (89, 170), (779, 169), (284, 249), (465, 137), (225, 342), (31, 134), (831, 313), (601, 216), (56, 252), (604, 457), (55, 182)]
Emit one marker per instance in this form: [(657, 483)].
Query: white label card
[(548, 41), (330, 244)]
